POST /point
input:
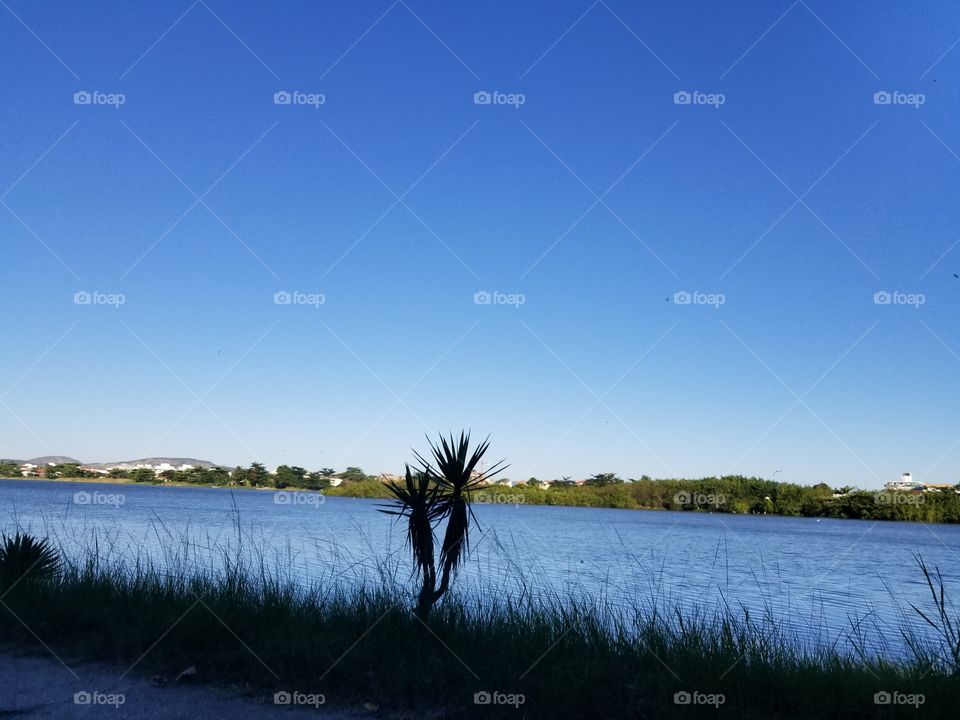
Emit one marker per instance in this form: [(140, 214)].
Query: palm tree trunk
[(427, 595)]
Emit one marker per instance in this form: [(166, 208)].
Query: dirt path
[(41, 687)]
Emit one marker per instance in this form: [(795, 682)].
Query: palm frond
[(455, 467), (415, 500), (456, 539)]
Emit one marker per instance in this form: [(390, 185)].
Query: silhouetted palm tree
[(437, 490)]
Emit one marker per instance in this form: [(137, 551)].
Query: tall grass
[(241, 621)]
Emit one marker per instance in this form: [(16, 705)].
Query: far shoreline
[(504, 496), (129, 481)]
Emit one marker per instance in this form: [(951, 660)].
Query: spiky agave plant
[(440, 490), (24, 558)]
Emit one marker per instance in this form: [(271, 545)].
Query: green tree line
[(735, 494), (255, 475)]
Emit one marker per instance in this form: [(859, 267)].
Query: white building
[(905, 483)]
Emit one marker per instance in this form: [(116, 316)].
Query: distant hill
[(64, 460), (55, 459), (175, 461)]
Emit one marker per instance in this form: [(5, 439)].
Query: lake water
[(815, 577)]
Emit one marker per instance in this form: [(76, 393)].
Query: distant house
[(157, 467), (906, 483), (388, 477)]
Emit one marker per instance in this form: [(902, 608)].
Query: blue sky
[(779, 201)]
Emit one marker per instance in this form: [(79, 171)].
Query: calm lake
[(815, 577)]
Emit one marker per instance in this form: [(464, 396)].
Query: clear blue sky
[(597, 199)]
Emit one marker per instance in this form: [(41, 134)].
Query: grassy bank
[(565, 658)]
